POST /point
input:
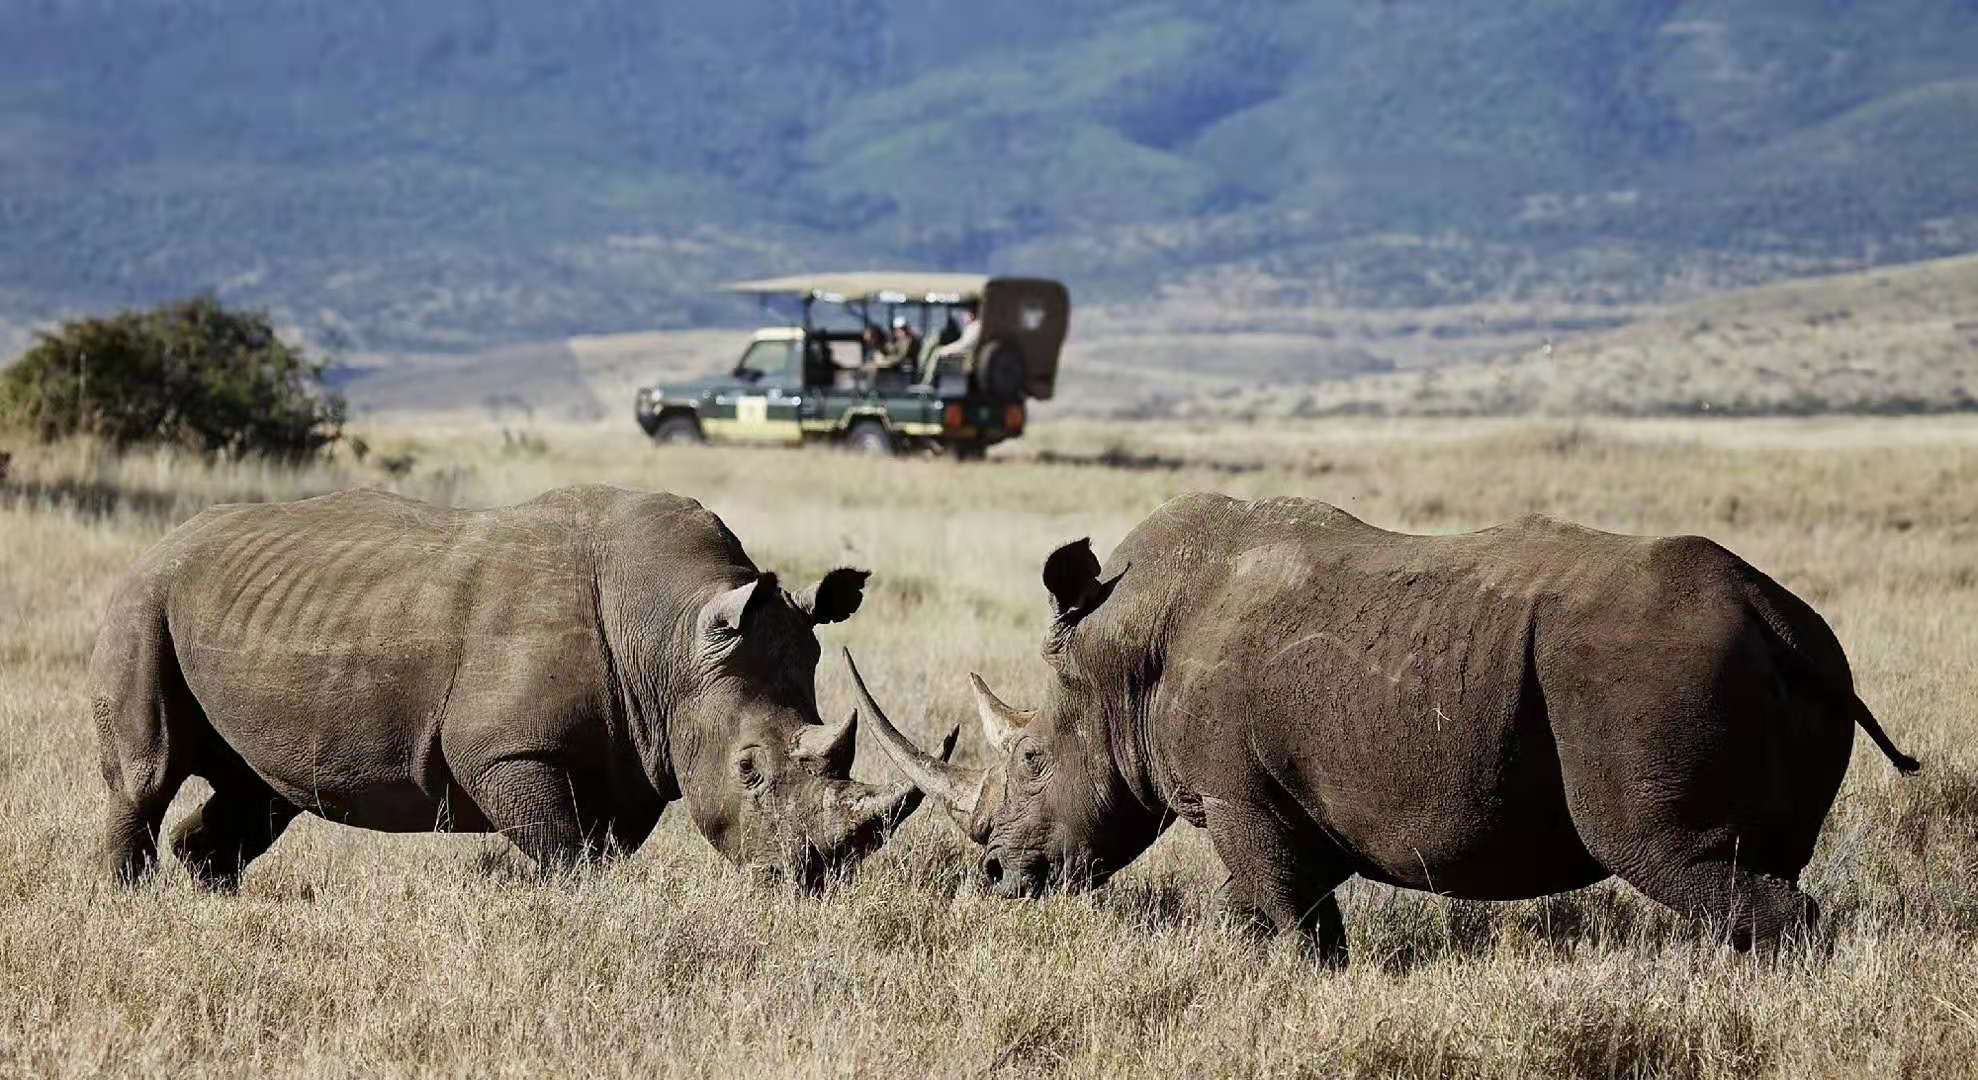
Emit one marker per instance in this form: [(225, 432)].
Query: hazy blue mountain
[(452, 172)]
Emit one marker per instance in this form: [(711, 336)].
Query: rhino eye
[(1033, 762), (745, 767)]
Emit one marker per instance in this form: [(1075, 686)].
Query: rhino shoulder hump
[(1546, 524), (650, 523), (611, 508), (1193, 504), (1223, 514), (1309, 514)]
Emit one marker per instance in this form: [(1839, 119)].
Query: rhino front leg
[(1281, 877), (533, 803)]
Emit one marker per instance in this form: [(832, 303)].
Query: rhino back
[(335, 642), (365, 575)]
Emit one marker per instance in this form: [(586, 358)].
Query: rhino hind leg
[(1682, 847), (1282, 875), (1753, 910), (1703, 788)]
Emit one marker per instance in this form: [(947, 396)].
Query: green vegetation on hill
[(394, 174)]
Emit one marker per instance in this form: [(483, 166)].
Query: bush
[(523, 444), (398, 466), (190, 374)]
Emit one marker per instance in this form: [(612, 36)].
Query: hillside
[(392, 175), (1896, 340)]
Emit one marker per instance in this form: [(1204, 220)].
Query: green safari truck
[(881, 363)]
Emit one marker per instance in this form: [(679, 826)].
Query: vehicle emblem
[(1032, 316)]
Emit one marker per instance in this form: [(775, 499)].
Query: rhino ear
[(1071, 573), (728, 614), (835, 598)]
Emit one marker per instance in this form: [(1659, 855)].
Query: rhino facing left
[(557, 671)]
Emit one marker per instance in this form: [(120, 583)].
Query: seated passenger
[(971, 332), (901, 348)]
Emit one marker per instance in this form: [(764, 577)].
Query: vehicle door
[(763, 404)]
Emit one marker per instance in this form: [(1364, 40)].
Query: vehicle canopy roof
[(885, 287)]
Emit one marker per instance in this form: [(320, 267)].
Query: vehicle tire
[(1001, 375), (868, 437), (968, 451), (677, 430)]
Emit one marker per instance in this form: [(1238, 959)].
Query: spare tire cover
[(1000, 375)]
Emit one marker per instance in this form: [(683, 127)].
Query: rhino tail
[(1906, 765), (1774, 615)]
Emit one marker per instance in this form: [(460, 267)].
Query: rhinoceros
[(557, 672), (1496, 715)]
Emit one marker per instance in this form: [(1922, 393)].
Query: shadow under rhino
[(558, 672)]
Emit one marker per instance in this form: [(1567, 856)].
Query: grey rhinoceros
[(557, 671), (1496, 715)]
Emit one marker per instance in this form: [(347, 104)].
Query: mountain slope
[(395, 174)]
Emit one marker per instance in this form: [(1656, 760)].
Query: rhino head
[(1053, 810), (767, 781)]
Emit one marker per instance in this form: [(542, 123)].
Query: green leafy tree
[(191, 374)]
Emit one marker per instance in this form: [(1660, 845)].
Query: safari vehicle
[(821, 380)]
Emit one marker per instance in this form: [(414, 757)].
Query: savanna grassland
[(355, 954)]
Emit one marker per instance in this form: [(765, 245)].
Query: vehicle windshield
[(767, 360)]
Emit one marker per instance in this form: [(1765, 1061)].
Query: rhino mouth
[(811, 870), (805, 869), (1009, 879), (1028, 875), (812, 865)]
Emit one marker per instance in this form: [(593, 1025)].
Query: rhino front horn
[(959, 788)]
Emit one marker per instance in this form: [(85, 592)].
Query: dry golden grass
[(355, 954)]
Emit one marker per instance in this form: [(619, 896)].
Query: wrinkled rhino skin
[(557, 671), (1495, 715)]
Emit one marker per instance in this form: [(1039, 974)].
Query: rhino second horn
[(885, 808), (1000, 723), (959, 788), (889, 807), (834, 746)]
